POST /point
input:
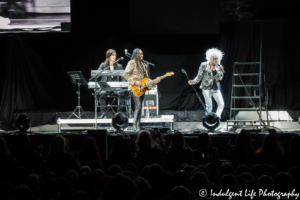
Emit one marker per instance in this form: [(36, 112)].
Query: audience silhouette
[(155, 173)]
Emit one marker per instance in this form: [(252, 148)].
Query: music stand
[(77, 79)]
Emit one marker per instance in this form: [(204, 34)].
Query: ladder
[(247, 95)]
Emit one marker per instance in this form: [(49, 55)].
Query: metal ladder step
[(244, 97), (245, 85), (246, 63), (246, 74), (235, 84), (237, 120), (244, 108)]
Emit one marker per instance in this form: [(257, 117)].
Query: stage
[(187, 122), (184, 127), (184, 121)]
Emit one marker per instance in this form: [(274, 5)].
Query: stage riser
[(185, 121), (272, 115), (181, 126), (189, 126), (39, 118)]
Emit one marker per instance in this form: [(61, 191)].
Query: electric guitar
[(140, 90)]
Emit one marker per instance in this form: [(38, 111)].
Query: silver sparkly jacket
[(206, 74)]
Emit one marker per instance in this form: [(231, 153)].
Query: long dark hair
[(121, 148), (178, 141), (58, 145), (110, 52), (295, 144), (271, 146), (135, 55), (89, 147), (244, 139), (144, 141), (203, 141)]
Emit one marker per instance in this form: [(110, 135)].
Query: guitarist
[(135, 71)]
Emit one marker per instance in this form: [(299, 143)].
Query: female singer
[(211, 73)]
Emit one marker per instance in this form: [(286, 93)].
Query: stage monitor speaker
[(100, 136), (151, 100)]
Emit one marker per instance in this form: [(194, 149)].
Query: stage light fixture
[(211, 121), (120, 121), (23, 122)]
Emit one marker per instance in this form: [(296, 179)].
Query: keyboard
[(107, 72), (92, 85)]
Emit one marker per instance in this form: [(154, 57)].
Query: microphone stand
[(105, 69), (183, 71), (148, 63)]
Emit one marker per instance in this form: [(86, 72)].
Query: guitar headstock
[(170, 74)]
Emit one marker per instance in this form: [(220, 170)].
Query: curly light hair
[(214, 53)]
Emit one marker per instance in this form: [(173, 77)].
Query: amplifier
[(151, 100)]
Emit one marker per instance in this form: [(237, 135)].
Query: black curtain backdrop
[(280, 51), (34, 66), (25, 87)]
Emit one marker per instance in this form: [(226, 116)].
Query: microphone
[(127, 54), (121, 58), (183, 71), (221, 69)]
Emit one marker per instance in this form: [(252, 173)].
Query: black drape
[(25, 86), (280, 48), (49, 86), (34, 66)]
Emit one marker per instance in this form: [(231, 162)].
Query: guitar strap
[(145, 70)]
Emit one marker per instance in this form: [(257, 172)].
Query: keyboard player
[(111, 56)]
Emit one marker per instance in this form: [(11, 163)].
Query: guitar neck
[(153, 81), (164, 76)]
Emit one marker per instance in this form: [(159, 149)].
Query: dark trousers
[(138, 104), (121, 99)]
